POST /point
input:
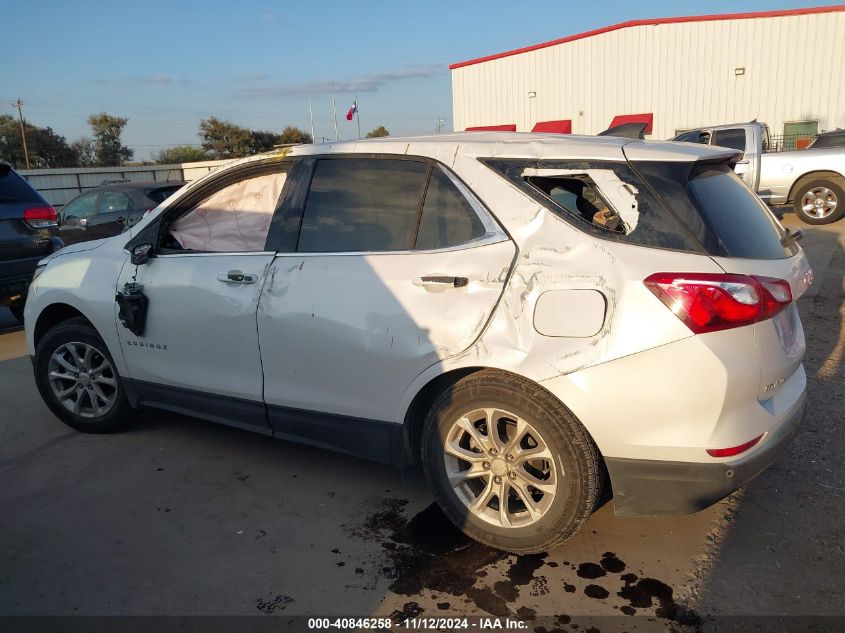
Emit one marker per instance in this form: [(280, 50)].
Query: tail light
[(41, 217), (708, 302)]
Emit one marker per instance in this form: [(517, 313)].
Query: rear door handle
[(442, 281), (237, 277)]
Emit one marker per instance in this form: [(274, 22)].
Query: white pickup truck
[(812, 181)]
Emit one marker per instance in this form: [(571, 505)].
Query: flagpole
[(311, 114), (334, 109), (358, 116)]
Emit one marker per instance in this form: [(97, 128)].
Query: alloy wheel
[(819, 202), (82, 379), (500, 467)]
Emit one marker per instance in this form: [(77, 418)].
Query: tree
[(293, 134), (181, 154), (108, 149), (46, 148), (378, 132), (223, 139), (263, 141), (85, 150)]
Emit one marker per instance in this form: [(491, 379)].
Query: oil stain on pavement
[(435, 567)]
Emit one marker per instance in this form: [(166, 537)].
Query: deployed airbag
[(235, 219)]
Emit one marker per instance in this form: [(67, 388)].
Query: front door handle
[(237, 277), (441, 281)]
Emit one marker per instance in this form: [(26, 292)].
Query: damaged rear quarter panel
[(554, 255)]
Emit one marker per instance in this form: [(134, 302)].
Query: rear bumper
[(644, 487), (15, 277)]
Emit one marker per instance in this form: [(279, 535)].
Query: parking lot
[(179, 516)]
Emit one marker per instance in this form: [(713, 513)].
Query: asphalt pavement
[(181, 517)]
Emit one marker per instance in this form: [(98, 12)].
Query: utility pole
[(438, 125), (311, 113), (18, 104), (334, 110)]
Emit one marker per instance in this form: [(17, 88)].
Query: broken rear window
[(607, 199)]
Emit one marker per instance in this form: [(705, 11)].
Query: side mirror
[(140, 254)]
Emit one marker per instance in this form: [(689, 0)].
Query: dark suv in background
[(27, 233), (108, 209)]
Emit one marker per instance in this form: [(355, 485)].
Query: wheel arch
[(420, 406), (813, 175), (424, 398), (53, 315)]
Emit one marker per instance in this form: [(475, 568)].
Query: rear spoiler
[(626, 130), (668, 151)]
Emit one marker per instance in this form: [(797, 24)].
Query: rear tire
[(538, 457), (820, 200), (78, 380)]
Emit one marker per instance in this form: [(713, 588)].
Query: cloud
[(150, 80), (161, 80), (371, 82), (249, 78), (269, 17)]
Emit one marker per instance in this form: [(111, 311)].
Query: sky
[(166, 65)]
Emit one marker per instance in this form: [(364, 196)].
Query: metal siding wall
[(683, 73), (60, 186)]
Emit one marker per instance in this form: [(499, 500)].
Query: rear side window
[(13, 188), (114, 201), (160, 195), (448, 218), (362, 204), (723, 214), (607, 199), (733, 138)]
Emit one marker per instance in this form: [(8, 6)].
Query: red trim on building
[(654, 22), (646, 117), (564, 126), (509, 127)]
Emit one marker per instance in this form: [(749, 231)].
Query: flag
[(352, 110)]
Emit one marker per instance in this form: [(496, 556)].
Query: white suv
[(527, 316)]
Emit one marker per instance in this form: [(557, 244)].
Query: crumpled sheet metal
[(554, 255)]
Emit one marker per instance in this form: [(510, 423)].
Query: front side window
[(362, 204), (448, 218), (234, 219), (82, 208)]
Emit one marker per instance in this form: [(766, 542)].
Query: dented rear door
[(347, 332)]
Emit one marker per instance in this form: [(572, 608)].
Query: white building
[(786, 68)]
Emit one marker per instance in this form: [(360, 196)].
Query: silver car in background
[(812, 181)]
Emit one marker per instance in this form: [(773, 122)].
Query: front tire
[(495, 437), (819, 201), (77, 379)]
